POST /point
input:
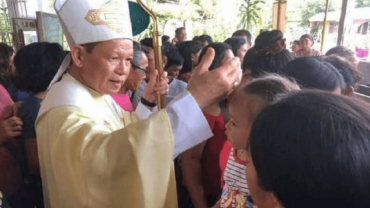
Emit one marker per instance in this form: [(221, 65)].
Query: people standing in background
[(6, 57), (190, 50), (296, 46), (180, 36), (165, 38), (306, 43), (269, 55), (138, 73), (239, 47), (346, 53), (172, 65), (6, 70), (148, 48), (35, 66), (244, 34)]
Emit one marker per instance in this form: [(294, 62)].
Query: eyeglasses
[(144, 70)]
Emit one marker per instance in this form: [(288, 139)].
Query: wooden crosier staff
[(324, 26), (157, 43)]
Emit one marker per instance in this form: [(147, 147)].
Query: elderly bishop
[(92, 153)]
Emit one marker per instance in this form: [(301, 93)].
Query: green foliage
[(249, 13), (312, 8), (5, 28), (362, 3)]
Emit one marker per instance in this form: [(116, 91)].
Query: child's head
[(223, 53), (248, 100)]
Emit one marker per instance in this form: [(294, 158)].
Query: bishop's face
[(107, 67)]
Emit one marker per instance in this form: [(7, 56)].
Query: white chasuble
[(94, 155)]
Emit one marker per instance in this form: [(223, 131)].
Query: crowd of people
[(290, 134)]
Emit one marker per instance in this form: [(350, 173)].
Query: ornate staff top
[(157, 43)]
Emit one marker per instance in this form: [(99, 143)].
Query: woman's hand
[(154, 88), (10, 124), (11, 127)]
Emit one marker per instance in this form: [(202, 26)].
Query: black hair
[(186, 49), (341, 51), (148, 42), (220, 50), (36, 65), (136, 45), (178, 30), (235, 44), (165, 38), (307, 36), (5, 53), (314, 73), (195, 38), (262, 64), (311, 149), (173, 56), (297, 42), (345, 68), (267, 38), (205, 38), (246, 33)]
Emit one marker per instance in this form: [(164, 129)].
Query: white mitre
[(90, 21)]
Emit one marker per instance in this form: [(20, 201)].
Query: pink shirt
[(124, 101), (5, 99)]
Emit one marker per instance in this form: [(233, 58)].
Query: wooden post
[(279, 12), (324, 26), (345, 21), (278, 15)]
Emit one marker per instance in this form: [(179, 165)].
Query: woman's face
[(195, 58), (306, 43), (137, 75), (242, 51)]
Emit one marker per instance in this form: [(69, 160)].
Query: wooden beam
[(345, 22)]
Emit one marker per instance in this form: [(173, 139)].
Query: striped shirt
[(235, 192)]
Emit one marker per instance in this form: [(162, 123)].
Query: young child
[(245, 103)]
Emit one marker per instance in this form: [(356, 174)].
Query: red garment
[(124, 101), (215, 156), (5, 99)]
